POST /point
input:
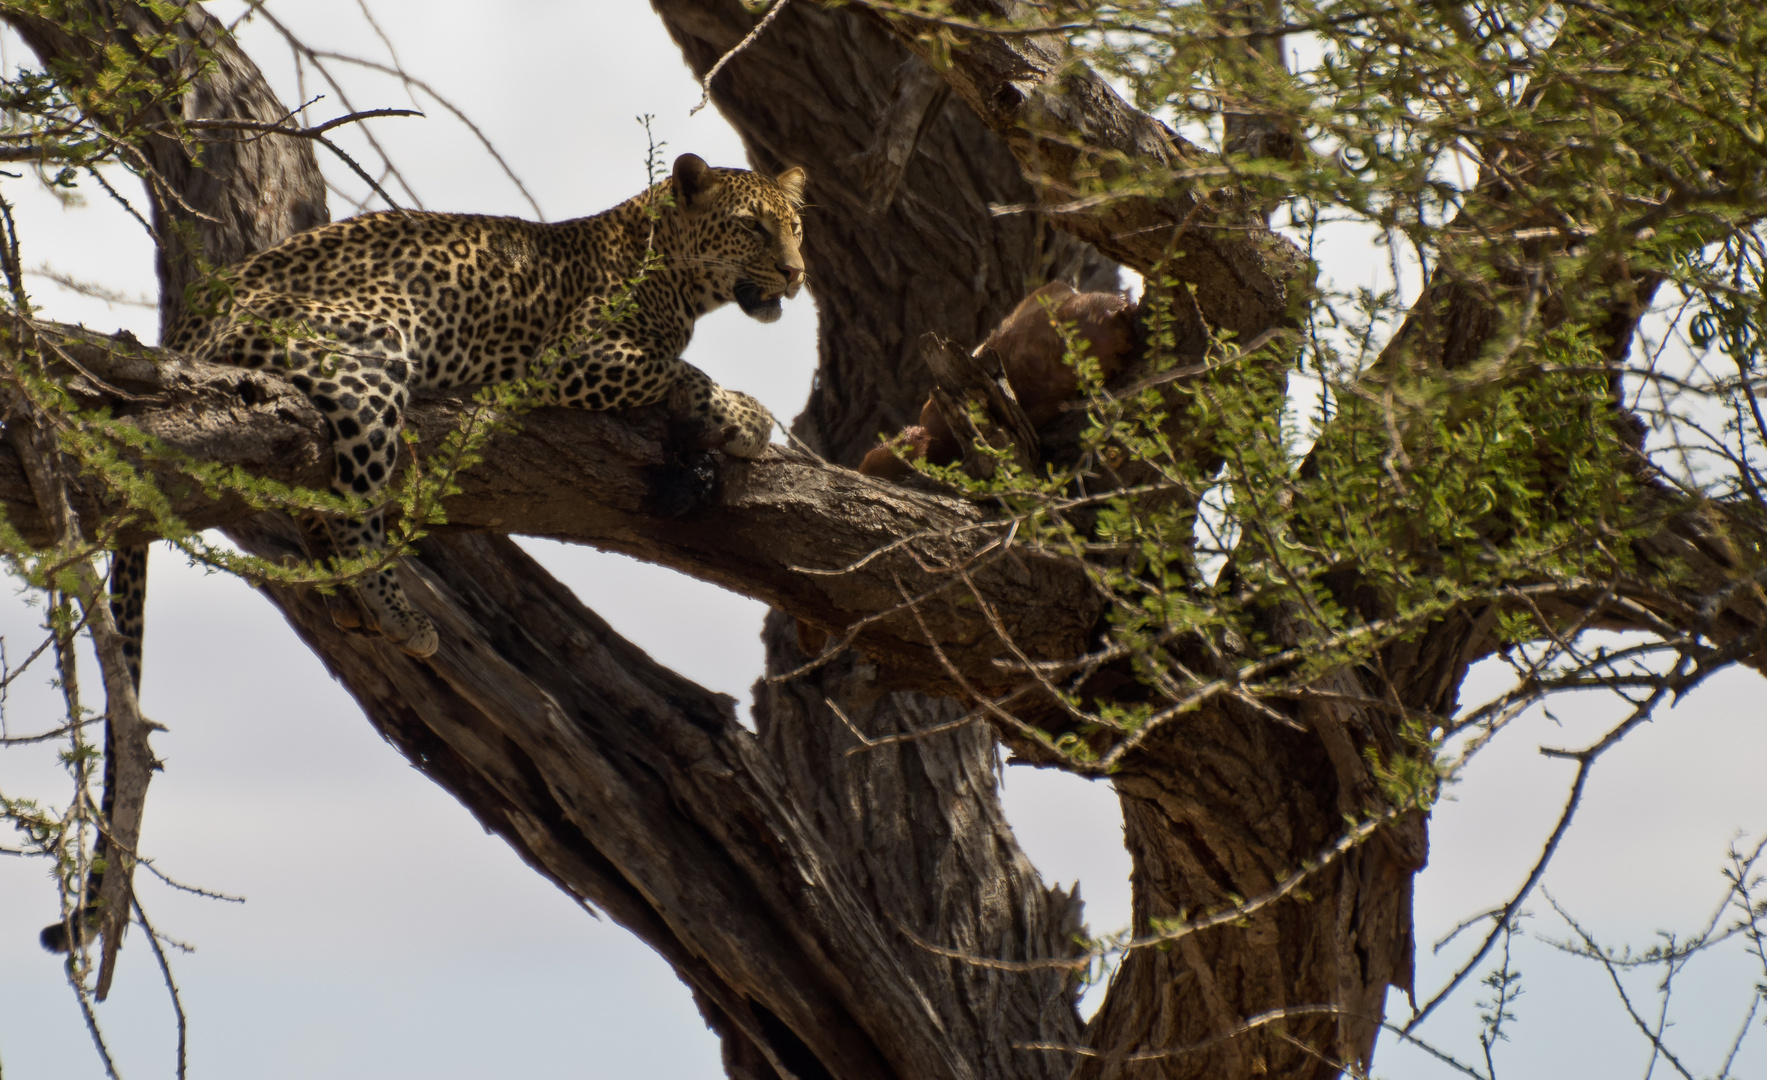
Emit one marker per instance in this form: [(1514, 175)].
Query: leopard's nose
[(793, 274)]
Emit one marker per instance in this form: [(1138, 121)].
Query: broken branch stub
[(966, 379)]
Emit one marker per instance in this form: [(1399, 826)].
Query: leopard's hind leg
[(354, 369)]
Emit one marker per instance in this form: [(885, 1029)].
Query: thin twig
[(315, 133), (1595, 952), (194, 890), (91, 289), (706, 83), (121, 200), (868, 743), (399, 73), (159, 954), (1585, 762)]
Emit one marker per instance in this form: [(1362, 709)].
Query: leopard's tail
[(128, 604)]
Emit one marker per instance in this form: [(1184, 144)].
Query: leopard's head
[(743, 233)]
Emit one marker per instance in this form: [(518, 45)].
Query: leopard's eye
[(756, 226)]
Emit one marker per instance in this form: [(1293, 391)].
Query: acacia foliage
[(1565, 354)]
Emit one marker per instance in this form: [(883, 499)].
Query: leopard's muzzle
[(758, 302)]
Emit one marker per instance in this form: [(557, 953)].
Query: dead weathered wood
[(129, 762), (974, 378)]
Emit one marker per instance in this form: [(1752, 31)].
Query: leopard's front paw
[(747, 425), (421, 640), (391, 613)]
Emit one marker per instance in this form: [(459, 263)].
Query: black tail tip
[(54, 937)]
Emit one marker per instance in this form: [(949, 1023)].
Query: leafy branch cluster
[(1371, 473)]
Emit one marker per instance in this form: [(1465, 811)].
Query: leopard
[(360, 314)]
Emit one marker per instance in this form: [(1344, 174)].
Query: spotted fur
[(359, 314)]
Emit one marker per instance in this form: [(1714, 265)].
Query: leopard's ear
[(792, 182), (695, 182)]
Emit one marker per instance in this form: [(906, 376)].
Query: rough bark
[(1225, 804), (901, 244)]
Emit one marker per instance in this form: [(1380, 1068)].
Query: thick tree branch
[(918, 818), (596, 478)]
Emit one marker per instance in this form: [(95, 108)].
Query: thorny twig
[(1675, 954), (316, 57), (165, 965)]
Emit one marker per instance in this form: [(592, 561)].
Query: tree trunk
[(1227, 804)]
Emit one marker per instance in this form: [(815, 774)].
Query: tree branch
[(595, 478)]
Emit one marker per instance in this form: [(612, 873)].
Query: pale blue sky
[(387, 937)]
